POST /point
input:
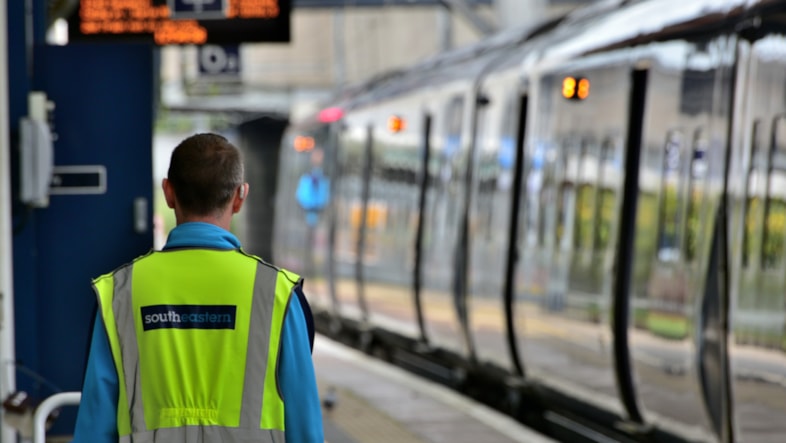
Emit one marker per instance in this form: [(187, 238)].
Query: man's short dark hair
[(205, 171)]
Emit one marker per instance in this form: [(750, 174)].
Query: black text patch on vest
[(188, 317)]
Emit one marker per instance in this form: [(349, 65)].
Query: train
[(581, 222)]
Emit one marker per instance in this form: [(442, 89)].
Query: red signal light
[(330, 115)]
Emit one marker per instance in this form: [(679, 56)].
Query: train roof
[(639, 21), (593, 28)]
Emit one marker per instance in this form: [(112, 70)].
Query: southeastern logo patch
[(188, 317)]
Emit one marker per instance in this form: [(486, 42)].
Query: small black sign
[(78, 179)]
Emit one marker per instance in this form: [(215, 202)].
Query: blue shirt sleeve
[(307, 314), (302, 410), (96, 420)]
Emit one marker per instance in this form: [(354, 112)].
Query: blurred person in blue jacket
[(201, 341), (313, 189)]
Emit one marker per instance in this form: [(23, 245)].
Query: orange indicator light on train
[(303, 143), (569, 87), (574, 88), (584, 88), (396, 123)]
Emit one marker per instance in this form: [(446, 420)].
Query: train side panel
[(758, 248)]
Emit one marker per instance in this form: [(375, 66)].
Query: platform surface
[(380, 403)]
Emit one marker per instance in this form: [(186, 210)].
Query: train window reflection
[(775, 204), (753, 195), (606, 202), (455, 114), (587, 170), (698, 171), (567, 170), (669, 208), (548, 195)]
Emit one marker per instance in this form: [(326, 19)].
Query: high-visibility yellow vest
[(195, 337)]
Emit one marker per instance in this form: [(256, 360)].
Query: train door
[(301, 239), (444, 306), (675, 331), (390, 223), (363, 219), (491, 216), (757, 184), (327, 284), (353, 157), (423, 184), (572, 192)]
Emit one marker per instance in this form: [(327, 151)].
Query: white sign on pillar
[(219, 60)]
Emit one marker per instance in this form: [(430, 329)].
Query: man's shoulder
[(293, 277), (124, 265)]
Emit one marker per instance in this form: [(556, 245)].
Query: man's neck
[(222, 222)]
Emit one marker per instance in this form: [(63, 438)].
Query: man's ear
[(169, 193), (242, 193)]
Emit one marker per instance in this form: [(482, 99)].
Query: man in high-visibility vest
[(201, 342)]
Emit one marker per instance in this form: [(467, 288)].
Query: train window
[(698, 171), (506, 156), (606, 201), (669, 208), (485, 174), (455, 114), (533, 206), (586, 171), (753, 195), (775, 204), (567, 169), (548, 193)]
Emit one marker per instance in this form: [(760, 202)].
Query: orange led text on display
[(142, 17)]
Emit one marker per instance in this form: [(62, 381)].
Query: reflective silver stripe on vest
[(205, 434), (253, 386), (258, 344), (124, 320)]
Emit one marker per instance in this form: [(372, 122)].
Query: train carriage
[(590, 214)]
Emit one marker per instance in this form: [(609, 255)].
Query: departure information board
[(181, 22)]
